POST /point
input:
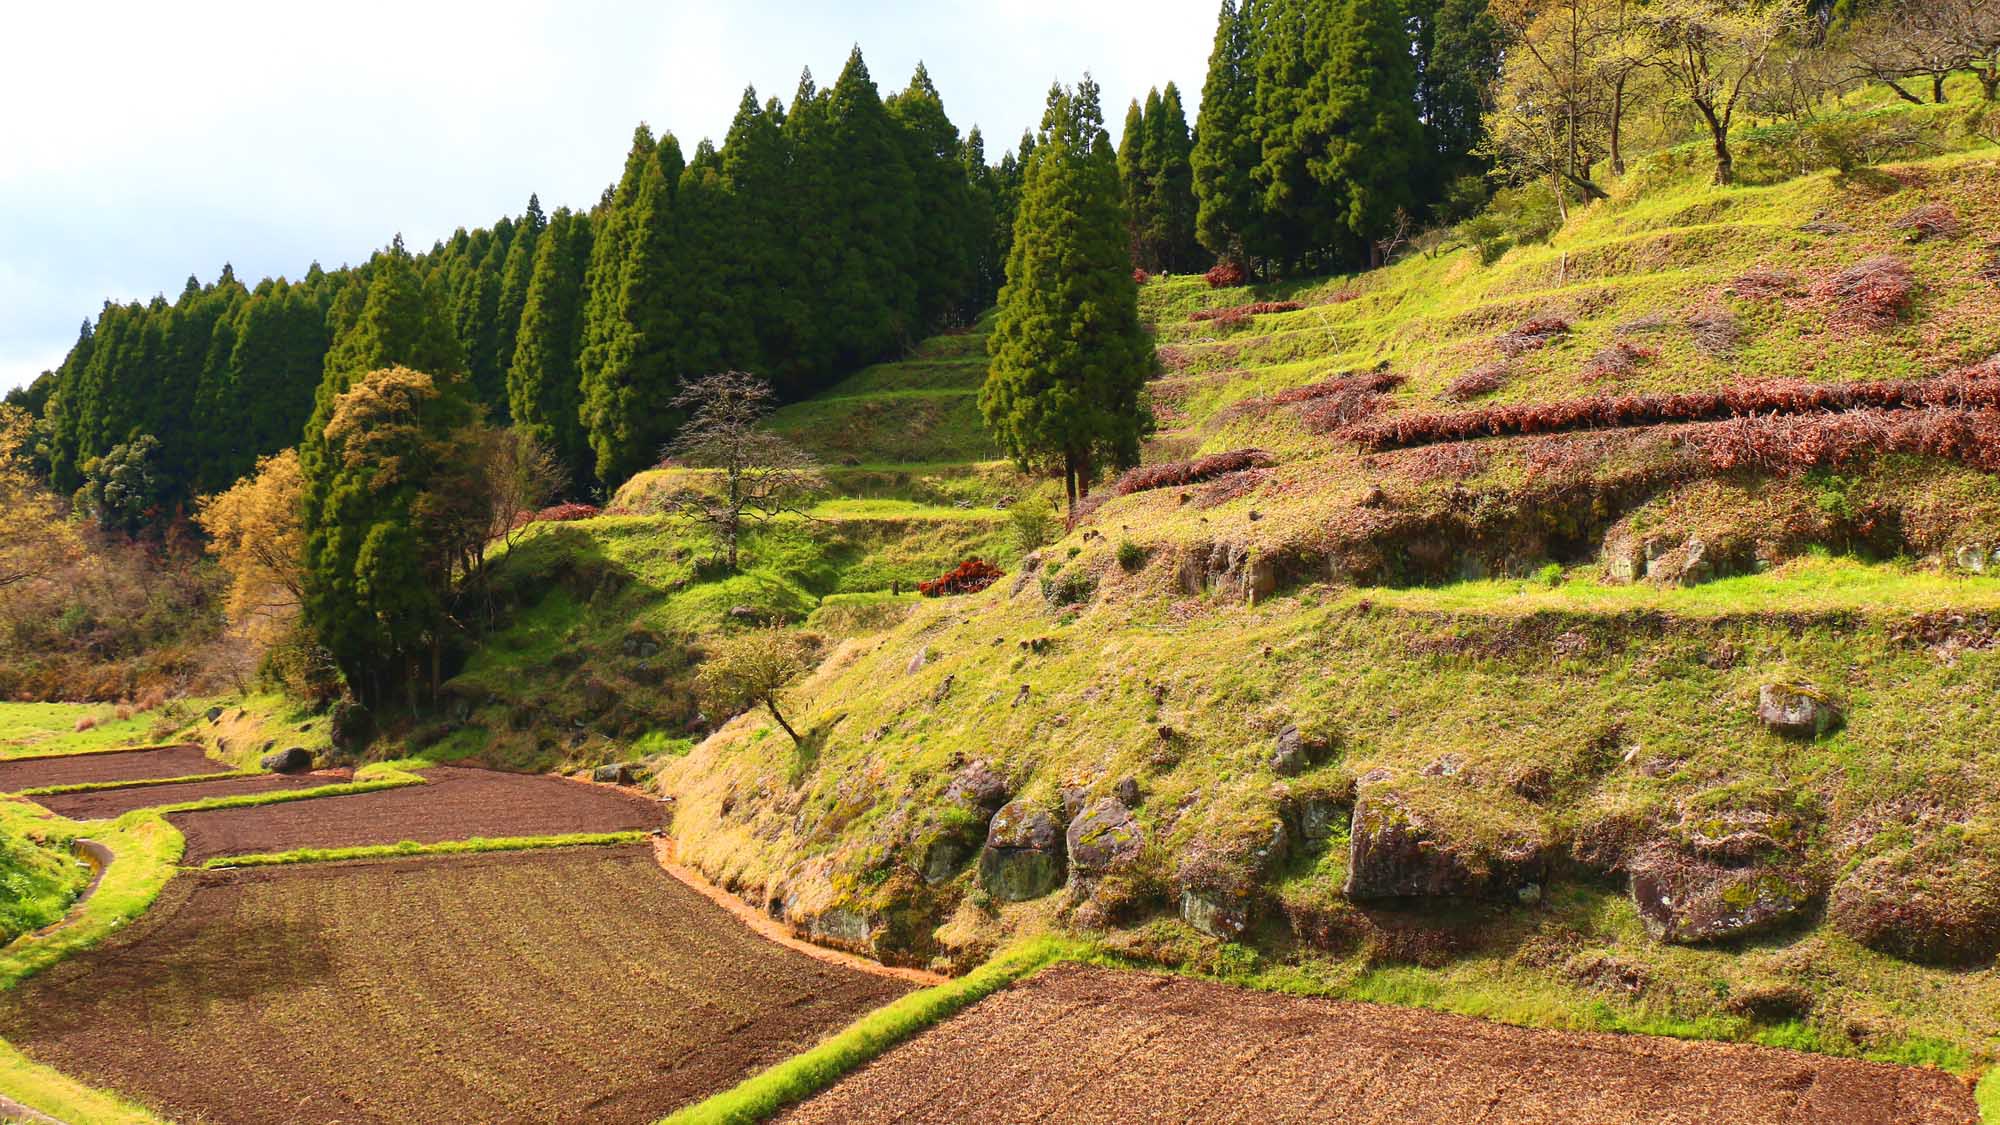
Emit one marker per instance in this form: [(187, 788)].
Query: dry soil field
[(1089, 1045), (573, 985), (123, 765), (101, 804), (456, 803)]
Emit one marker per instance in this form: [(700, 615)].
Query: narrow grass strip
[(143, 783), (394, 779), (787, 1083), (411, 847), (64, 1098), (1989, 1097)]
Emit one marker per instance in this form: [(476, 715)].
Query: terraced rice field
[(574, 985), (456, 803), (102, 804), (1077, 1044), (123, 765)]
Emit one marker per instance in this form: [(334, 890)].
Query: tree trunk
[(1617, 125), (729, 529), (1989, 79), (1937, 88), (1069, 483), (1725, 164), (437, 668), (771, 705)]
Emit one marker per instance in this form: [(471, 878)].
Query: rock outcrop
[(1398, 850), (1024, 853)]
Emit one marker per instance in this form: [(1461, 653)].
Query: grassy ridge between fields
[(1989, 1097), (795, 1079), (146, 783), (472, 846)]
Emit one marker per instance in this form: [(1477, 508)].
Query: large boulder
[(1292, 753), (1023, 857), (1797, 710), (1221, 881), (978, 785), (615, 773), (1103, 838), (1685, 899), (1407, 844), (295, 760), (353, 727)]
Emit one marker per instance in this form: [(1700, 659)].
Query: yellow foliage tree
[(35, 539), (257, 533)]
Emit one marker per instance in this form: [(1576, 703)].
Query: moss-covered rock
[(1423, 842)]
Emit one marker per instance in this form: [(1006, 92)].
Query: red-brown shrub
[(1800, 441), (1257, 309), (85, 723), (1140, 276), (1764, 284), (1789, 396), (1481, 380), (1224, 275), (1619, 360), (1371, 382), (559, 513), (1932, 220), (1870, 295), (1172, 474), (968, 577), (1535, 334), (1173, 358)]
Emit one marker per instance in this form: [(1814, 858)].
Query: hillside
[(1475, 722)]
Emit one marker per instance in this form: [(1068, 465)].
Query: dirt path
[(103, 804), (124, 765), (456, 803), (1078, 1044), (571, 984)]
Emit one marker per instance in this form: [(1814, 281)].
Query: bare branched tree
[(758, 475), (1926, 40)]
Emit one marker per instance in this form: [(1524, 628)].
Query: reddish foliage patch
[(1789, 396), (1482, 380), (1140, 276), (1932, 220), (559, 513), (1173, 358), (1870, 295), (1456, 460), (1715, 331), (1224, 275), (968, 577), (1257, 309), (1232, 486), (1971, 437), (1619, 360), (1535, 334), (1372, 382), (1175, 473)]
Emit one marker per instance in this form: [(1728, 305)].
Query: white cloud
[(146, 141)]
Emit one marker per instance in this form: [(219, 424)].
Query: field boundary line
[(395, 779), (774, 931), (473, 846), (143, 783), (95, 750), (147, 852), (47, 1094), (1988, 1095), (784, 1084)]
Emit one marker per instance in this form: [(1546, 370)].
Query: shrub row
[(1224, 275), (1258, 308), (1173, 474), (1789, 396), (1798, 441), (560, 513)]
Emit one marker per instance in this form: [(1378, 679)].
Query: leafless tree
[(1923, 40), (758, 475)]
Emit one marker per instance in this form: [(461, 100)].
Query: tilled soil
[(102, 804), (1076, 1044), (124, 765), (570, 984), (456, 803)]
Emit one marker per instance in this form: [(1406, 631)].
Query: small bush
[(1225, 275), (1259, 308), (1534, 335), (1067, 588), (1131, 556), (1033, 524), (1869, 295), (1519, 216), (1175, 473), (1619, 360), (1932, 220), (968, 577), (1715, 331), (1482, 380), (1140, 276)]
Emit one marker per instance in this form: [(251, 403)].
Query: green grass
[(95, 786), (801, 1076), (383, 777), (145, 849), (411, 847), (56, 1094), (1989, 1097), (34, 729)]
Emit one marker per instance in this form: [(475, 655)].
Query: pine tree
[(1361, 120), (871, 304), (1300, 216), (989, 259), (515, 274), (765, 267), (1135, 177), (1458, 57), (945, 236), (1171, 205), (543, 385), (1069, 355), (1225, 147)]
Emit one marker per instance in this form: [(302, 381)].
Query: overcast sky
[(144, 141)]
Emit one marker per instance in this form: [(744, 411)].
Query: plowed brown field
[(122, 765), (456, 803), (1089, 1045), (102, 804), (572, 985)]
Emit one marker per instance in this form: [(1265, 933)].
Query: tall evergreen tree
[(1171, 204), (766, 267), (1135, 178), (515, 274), (543, 385), (945, 235), (1069, 355), (1458, 56), (1366, 142), (1225, 149), (872, 201)]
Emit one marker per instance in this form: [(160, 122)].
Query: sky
[(143, 142)]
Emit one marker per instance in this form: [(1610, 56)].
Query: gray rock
[(615, 773), (1975, 559), (353, 727), (978, 785), (1127, 791), (943, 859), (214, 714), (1396, 852), (1219, 915), (917, 662), (1024, 854), (1103, 838), (1796, 710), (295, 760), (1319, 816), (1451, 765), (1288, 753), (1684, 900)]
